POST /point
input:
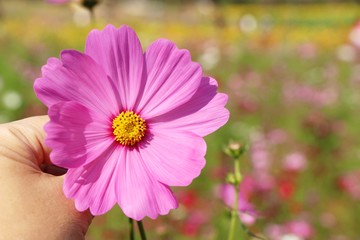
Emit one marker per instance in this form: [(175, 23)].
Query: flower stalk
[(142, 230), (234, 211), (235, 151), (131, 224)]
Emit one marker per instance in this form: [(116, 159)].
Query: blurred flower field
[(292, 73)]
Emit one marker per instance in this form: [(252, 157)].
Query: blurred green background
[(292, 73)]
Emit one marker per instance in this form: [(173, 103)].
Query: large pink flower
[(128, 124)]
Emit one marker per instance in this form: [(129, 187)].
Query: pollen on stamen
[(128, 128)]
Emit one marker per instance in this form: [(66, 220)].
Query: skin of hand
[(32, 203)]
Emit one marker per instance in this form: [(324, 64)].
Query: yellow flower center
[(129, 128)]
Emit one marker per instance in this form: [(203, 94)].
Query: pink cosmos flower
[(246, 210), (127, 124), (297, 229), (295, 161), (301, 228), (349, 183)]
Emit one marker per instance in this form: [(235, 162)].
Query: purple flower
[(127, 124)]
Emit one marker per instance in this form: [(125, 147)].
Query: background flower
[(247, 211)]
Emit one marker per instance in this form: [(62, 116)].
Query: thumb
[(78, 222), (27, 136)]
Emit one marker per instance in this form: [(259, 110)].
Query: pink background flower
[(246, 210)]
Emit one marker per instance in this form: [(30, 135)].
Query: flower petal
[(172, 78), (227, 193), (74, 135), (119, 52), (139, 193), (174, 158), (203, 114), (76, 77), (93, 186)]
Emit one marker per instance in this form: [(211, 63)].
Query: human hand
[(32, 203)]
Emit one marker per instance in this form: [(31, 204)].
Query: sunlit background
[(292, 73)]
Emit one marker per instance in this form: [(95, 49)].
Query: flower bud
[(233, 179), (235, 149), (230, 178)]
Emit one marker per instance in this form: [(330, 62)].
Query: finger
[(26, 139)]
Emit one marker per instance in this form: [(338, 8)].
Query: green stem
[(131, 222), (232, 225), (237, 173), (234, 211), (142, 230)]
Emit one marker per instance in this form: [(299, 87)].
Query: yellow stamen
[(129, 128)]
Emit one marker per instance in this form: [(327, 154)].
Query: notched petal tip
[(168, 45), (126, 28), (212, 81), (110, 28), (67, 56), (51, 65), (37, 84), (172, 78), (154, 215), (106, 28)]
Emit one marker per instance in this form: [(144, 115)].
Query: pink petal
[(75, 135), (247, 219), (139, 193), (174, 158), (227, 194), (93, 186), (77, 78), (119, 52), (172, 78), (203, 114), (52, 64)]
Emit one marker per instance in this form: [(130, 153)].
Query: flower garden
[(292, 74)]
